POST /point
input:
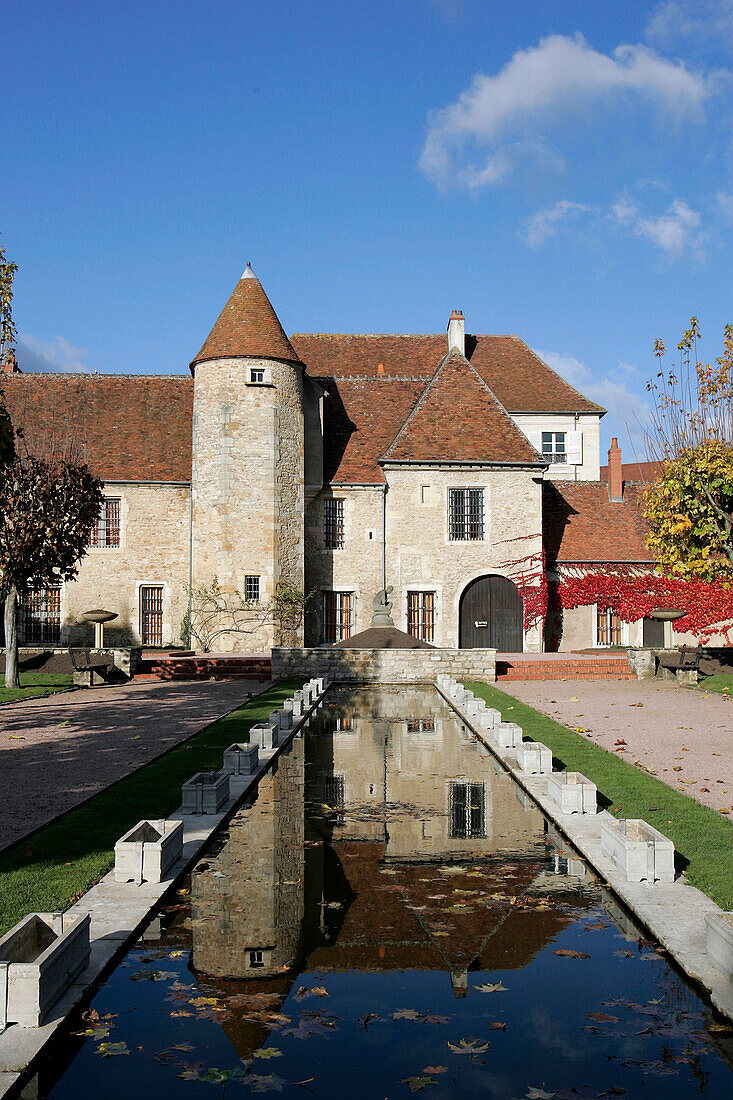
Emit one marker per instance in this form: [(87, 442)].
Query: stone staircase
[(562, 666), (161, 665)]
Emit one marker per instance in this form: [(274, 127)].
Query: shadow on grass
[(61, 860)]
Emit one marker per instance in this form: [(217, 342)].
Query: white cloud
[(49, 355), (725, 202), (498, 121), (675, 231), (673, 21), (627, 411), (548, 222)]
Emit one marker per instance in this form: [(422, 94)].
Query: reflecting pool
[(390, 914)]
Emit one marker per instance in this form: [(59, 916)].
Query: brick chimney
[(10, 366), (380, 368), (615, 473), (457, 332)]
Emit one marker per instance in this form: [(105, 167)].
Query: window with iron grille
[(41, 616), (466, 515), (151, 615), (609, 628), (344, 725), (553, 446), (337, 616), (421, 615), (333, 524), (334, 791), (421, 725), (252, 589), (106, 532), (467, 810)]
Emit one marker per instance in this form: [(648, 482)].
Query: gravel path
[(684, 736), (56, 752)]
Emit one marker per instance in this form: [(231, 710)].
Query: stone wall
[(383, 666), (533, 424), (153, 550)]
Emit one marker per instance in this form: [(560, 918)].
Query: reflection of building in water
[(247, 900), (413, 813)]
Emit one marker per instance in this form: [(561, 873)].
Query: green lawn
[(722, 682), (63, 859), (35, 684), (703, 837)]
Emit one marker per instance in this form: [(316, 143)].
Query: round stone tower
[(247, 488)]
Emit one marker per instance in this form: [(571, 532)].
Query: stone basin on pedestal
[(99, 617)]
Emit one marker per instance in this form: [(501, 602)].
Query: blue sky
[(560, 169)]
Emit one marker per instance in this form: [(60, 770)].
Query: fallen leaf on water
[(538, 1094), (567, 953), (155, 976), (498, 1025), (313, 991), (267, 1052), (468, 1046), (435, 1069), (487, 987), (603, 1018), (109, 1050), (418, 1083), (406, 1014)]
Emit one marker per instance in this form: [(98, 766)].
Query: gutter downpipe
[(384, 532)]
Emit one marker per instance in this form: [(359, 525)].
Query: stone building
[(449, 467)]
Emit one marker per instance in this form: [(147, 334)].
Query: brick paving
[(684, 736), (56, 752)]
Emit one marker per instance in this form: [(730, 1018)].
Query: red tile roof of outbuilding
[(126, 427), (582, 525)]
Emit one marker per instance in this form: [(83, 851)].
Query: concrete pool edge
[(673, 913), (119, 913)]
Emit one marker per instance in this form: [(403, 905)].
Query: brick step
[(205, 668), (601, 669)]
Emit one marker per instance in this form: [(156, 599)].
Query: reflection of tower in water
[(247, 899)]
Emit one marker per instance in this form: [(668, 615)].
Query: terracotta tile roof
[(458, 419), (518, 378), (582, 525), (127, 427), (361, 418), (247, 327), (636, 471)]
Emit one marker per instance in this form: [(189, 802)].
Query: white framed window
[(554, 447), (609, 628), (421, 615), (338, 616), (106, 531), (252, 589), (465, 515), (257, 376), (333, 523)]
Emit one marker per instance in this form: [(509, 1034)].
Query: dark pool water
[(391, 915)]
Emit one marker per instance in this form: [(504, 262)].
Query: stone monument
[(382, 607)]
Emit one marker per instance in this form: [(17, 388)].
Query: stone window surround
[(486, 507), (115, 491), (354, 593), (259, 369), (425, 585), (168, 632)]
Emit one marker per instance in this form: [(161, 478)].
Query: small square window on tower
[(257, 376), (252, 589)]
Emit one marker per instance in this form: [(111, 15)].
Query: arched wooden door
[(491, 616)]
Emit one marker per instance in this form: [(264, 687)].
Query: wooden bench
[(683, 666), (90, 670)]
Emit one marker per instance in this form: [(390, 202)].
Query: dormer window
[(553, 447)]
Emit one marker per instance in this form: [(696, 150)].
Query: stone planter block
[(146, 851), (296, 708), (265, 734), (508, 735), (534, 758), (639, 851), (242, 758), (572, 793), (205, 792), (719, 941), (283, 719), (39, 959), (471, 708)]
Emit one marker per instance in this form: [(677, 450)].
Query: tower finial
[(248, 273)]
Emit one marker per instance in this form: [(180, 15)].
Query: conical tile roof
[(247, 327), (458, 419)]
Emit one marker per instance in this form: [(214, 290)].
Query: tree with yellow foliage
[(689, 506)]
